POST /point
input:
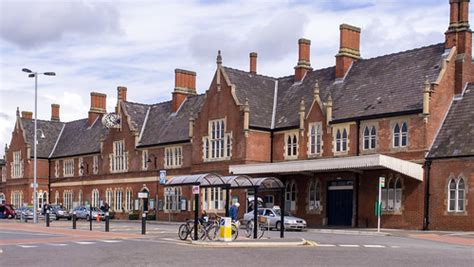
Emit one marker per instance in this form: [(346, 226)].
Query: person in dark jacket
[(234, 211)]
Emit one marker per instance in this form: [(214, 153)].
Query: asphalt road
[(160, 247)]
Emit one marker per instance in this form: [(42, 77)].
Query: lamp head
[(50, 73), (26, 70)]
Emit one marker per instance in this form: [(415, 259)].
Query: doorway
[(340, 203)]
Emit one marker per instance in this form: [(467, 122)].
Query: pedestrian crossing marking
[(84, 243)]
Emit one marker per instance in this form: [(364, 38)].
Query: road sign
[(162, 176), (195, 189), (382, 181)]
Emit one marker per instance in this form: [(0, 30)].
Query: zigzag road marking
[(84, 243), (349, 246), (27, 246), (57, 244), (111, 241), (374, 246)]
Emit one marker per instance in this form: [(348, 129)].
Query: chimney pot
[(253, 63), (55, 112)]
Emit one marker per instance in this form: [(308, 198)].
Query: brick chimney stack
[(55, 112), (98, 106), (304, 64), (253, 63), (459, 35), (184, 85), (28, 115), (122, 93), (349, 49)]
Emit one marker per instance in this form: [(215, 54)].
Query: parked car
[(19, 211), (60, 212), (83, 212), (8, 211), (27, 213), (273, 216)]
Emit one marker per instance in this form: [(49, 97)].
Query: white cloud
[(97, 45)]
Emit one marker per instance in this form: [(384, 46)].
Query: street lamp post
[(33, 74)]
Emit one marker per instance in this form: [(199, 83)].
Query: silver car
[(273, 218)]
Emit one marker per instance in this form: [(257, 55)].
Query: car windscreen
[(278, 213)]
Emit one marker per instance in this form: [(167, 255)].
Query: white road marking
[(57, 244), (1, 251), (373, 246), (395, 246), (27, 246), (111, 241), (349, 246), (325, 245), (84, 243)]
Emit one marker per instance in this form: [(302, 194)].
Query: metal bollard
[(107, 221), (143, 223), (90, 219), (47, 218), (74, 218)]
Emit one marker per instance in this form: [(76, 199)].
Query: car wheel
[(278, 226)]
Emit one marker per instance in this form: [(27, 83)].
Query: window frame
[(456, 195), (369, 137), (315, 139), (400, 132), (173, 157), (291, 147), (68, 167), (217, 145), (17, 165)]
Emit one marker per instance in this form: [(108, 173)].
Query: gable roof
[(50, 129), (164, 126), (137, 113), (77, 138), (455, 136)]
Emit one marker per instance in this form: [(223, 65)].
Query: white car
[(273, 217)]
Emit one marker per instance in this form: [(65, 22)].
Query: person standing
[(234, 211)]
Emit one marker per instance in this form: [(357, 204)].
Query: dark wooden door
[(339, 207)]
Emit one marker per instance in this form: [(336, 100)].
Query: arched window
[(291, 145), (288, 146), (315, 139), (207, 149), (391, 195), (129, 200), (344, 140), (314, 196), (404, 134), (366, 138), (373, 137), (109, 197), (338, 140), (398, 195), (295, 142), (95, 198), (80, 197), (290, 197), (396, 135), (56, 198), (118, 199), (456, 195)]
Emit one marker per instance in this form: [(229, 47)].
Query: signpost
[(378, 208), (195, 189), (162, 176)]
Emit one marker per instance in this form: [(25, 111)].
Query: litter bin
[(225, 230)]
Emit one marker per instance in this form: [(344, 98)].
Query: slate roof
[(163, 126), (50, 129), (78, 138), (137, 112), (382, 85), (455, 137), (387, 84), (259, 90)]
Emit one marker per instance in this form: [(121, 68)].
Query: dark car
[(7, 211), (60, 212)]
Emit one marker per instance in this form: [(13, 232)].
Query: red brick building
[(328, 134)]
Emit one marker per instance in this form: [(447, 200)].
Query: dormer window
[(218, 144), (291, 145), (340, 140)]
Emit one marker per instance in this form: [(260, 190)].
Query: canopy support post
[(282, 215), (227, 195), (196, 215), (255, 212)]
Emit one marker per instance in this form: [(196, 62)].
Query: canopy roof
[(215, 180), (365, 162)]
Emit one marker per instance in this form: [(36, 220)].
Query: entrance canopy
[(366, 162), (236, 181), (203, 180), (244, 181)]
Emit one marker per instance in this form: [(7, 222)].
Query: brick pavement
[(467, 241)]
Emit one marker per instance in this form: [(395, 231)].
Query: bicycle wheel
[(235, 232), (183, 231), (213, 232), (261, 230), (249, 229), (201, 233)]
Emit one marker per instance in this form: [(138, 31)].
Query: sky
[(99, 45)]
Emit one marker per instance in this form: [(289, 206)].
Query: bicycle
[(213, 229), (261, 227), (187, 229)]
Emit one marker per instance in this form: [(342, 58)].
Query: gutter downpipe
[(357, 177), (426, 218)]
